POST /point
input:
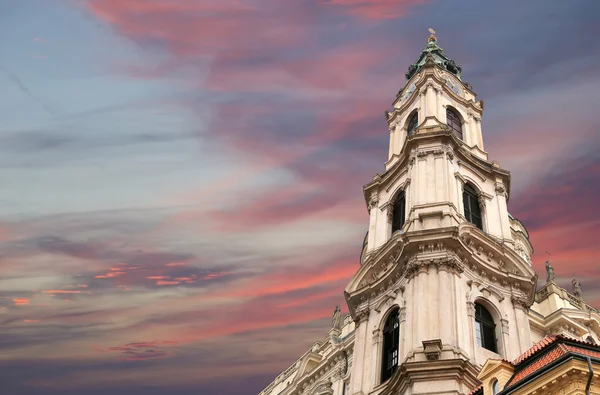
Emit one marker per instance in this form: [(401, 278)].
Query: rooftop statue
[(576, 287), (336, 320), (550, 272)]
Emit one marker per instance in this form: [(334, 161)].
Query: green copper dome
[(433, 53)]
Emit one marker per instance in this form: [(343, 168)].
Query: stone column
[(438, 105), (446, 311), (392, 129), (377, 338), (470, 329), (503, 211), (471, 134), (406, 329), (421, 299), (373, 209), (431, 108), (479, 135), (360, 343)]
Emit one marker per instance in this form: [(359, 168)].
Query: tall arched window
[(413, 123), (398, 217), (471, 206), (495, 387), (453, 122), (485, 328), (391, 336)]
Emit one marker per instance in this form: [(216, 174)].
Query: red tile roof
[(477, 391), (537, 347), (552, 355)]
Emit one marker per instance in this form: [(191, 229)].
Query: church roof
[(543, 353), (434, 54)]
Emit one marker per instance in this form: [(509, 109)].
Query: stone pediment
[(311, 360), (492, 367)]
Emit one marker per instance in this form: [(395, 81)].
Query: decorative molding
[(520, 302), (471, 309), (500, 189), (374, 201), (504, 325), (432, 349)]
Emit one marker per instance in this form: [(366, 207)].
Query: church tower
[(445, 280)]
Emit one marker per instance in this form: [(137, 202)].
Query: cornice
[(462, 250), (429, 76)]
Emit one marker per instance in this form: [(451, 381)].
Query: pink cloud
[(161, 282), (376, 9), (21, 301), (61, 291), (31, 321), (158, 277), (110, 275), (176, 264)]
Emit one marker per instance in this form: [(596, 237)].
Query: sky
[(181, 181)]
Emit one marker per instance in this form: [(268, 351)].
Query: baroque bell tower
[(445, 280)]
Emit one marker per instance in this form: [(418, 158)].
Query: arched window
[(413, 123), (495, 387), (453, 122), (399, 212), (485, 328), (471, 206), (391, 336)]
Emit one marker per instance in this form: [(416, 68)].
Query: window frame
[(390, 345), (399, 211), (454, 122), (471, 207), (495, 387), (413, 123), (485, 328)]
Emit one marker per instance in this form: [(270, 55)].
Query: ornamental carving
[(373, 202), (362, 316), (471, 309), (520, 302), (500, 189), (505, 327), (482, 202)]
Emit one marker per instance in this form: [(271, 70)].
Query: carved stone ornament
[(576, 288), (471, 309), (374, 202), (361, 316), (390, 213), (504, 326), (432, 349), (520, 302), (412, 157), (481, 203), (500, 189), (449, 152)]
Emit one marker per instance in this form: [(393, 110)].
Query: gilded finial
[(432, 37)]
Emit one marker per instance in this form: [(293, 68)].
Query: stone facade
[(438, 266)]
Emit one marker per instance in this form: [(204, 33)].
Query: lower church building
[(445, 300)]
